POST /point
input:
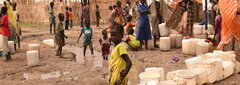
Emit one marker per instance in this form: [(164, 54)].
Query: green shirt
[(87, 34)]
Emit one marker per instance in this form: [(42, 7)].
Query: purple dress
[(144, 31)]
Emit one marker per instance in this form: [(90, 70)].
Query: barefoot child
[(120, 63), (5, 32), (87, 40), (105, 42), (60, 36)]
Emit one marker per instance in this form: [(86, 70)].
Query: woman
[(118, 15), (144, 32), (184, 21), (190, 18), (230, 32)]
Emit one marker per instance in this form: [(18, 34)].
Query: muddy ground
[(66, 71)]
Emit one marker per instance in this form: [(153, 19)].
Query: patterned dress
[(59, 36), (85, 15), (190, 18)]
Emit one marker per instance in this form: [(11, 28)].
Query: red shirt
[(5, 28)]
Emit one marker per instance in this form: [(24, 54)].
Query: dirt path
[(65, 71)]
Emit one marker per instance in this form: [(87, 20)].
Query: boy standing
[(52, 18), (87, 41), (67, 19), (71, 18)]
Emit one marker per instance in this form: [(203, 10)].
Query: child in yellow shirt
[(120, 62)]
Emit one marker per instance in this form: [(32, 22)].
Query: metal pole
[(206, 15)]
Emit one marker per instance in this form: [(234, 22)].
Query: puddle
[(39, 76), (97, 59)]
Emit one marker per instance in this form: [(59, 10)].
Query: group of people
[(68, 21), (10, 29), (123, 22), (120, 31), (138, 12)]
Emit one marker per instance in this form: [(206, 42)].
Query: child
[(87, 41), (60, 36), (98, 15), (131, 40), (18, 26), (52, 18), (105, 42), (129, 23), (71, 18), (67, 19), (12, 26), (120, 63), (5, 32)]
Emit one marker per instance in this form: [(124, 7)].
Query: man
[(209, 11), (156, 19)]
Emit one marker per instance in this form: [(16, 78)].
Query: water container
[(165, 43), (148, 76), (210, 30), (11, 47), (192, 62), (163, 30), (1, 42), (32, 58), (198, 29), (49, 42), (189, 46), (2, 53), (33, 47), (201, 75), (150, 44), (228, 68), (168, 82), (188, 76), (202, 48), (173, 40), (159, 71), (179, 39)]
